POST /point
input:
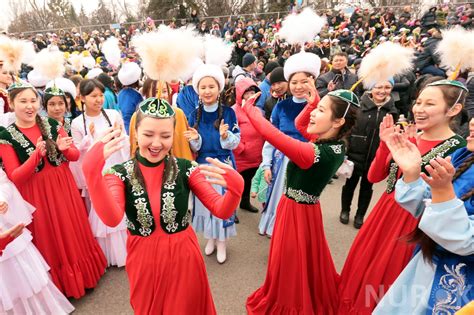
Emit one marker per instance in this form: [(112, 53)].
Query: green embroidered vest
[(175, 214), (24, 148), (305, 185), (443, 149)]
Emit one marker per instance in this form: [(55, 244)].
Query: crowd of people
[(107, 165)]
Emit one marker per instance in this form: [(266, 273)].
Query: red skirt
[(61, 230), (301, 276), (378, 255), (167, 274)]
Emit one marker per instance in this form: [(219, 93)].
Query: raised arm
[(301, 153), (17, 172), (302, 121), (107, 193)]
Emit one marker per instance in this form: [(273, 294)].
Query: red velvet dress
[(166, 272), (60, 228), (380, 250), (301, 276)]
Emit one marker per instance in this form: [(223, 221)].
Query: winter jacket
[(345, 82), (248, 153), (428, 57), (364, 139)]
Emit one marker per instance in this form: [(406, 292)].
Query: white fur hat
[(64, 84), (129, 73), (209, 70), (37, 79), (94, 73), (302, 62)]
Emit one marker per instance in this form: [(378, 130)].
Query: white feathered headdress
[(301, 28), (111, 51), (456, 50), (384, 62), (50, 64), (167, 53), (76, 61), (14, 52)]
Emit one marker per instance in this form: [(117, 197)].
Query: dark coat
[(345, 82), (428, 57), (364, 139)]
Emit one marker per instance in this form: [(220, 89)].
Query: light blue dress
[(452, 228)]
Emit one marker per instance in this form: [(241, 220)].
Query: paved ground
[(244, 270)]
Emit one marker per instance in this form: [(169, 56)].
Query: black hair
[(86, 87)]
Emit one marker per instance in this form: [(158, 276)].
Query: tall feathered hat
[(14, 52), (166, 54), (383, 63), (456, 50), (300, 29), (216, 55), (50, 64), (111, 51)]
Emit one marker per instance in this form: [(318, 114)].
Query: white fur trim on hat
[(129, 73), (302, 62), (94, 73), (36, 79), (88, 62), (64, 84), (209, 70)]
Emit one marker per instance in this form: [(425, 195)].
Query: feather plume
[(167, 54), (112, 52), (455, 49), (384, 62), (14, 52), (49, 63), (301, 28), (217, 52), (76, 62)]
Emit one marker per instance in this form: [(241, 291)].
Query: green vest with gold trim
[(175, 214)]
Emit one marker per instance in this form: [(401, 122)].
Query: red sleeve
[(222, 206), (379, 168), (301, 153), (17, 172), (302, 121), (72, 154), (107, 193), (4, 242)]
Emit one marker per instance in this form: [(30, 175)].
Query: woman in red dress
[(381, 249), (35, 153), (164, 264)]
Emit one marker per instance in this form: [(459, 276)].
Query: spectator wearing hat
[(428, 61), (278, 91), (129, 97), (339, 77), (249, 63), (265, 85)]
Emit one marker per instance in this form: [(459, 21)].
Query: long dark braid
[(137, 173), (103, 113), (198, 115), (106, 116), (51, 147), (427, 245), (171, 169), (220, 112)]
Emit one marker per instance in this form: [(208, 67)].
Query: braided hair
[(86, 87), (465, 165)]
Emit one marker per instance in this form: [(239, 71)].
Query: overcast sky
[(89, 6)]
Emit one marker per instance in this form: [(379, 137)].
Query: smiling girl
[(381, 251), (55, 104), (35, 153), (214, 133), (86, 129), (298, 74), (301, 276), (152, 189)]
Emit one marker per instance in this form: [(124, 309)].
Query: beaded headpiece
[(157, 108)]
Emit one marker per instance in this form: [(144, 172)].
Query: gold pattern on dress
[(169, 212)]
